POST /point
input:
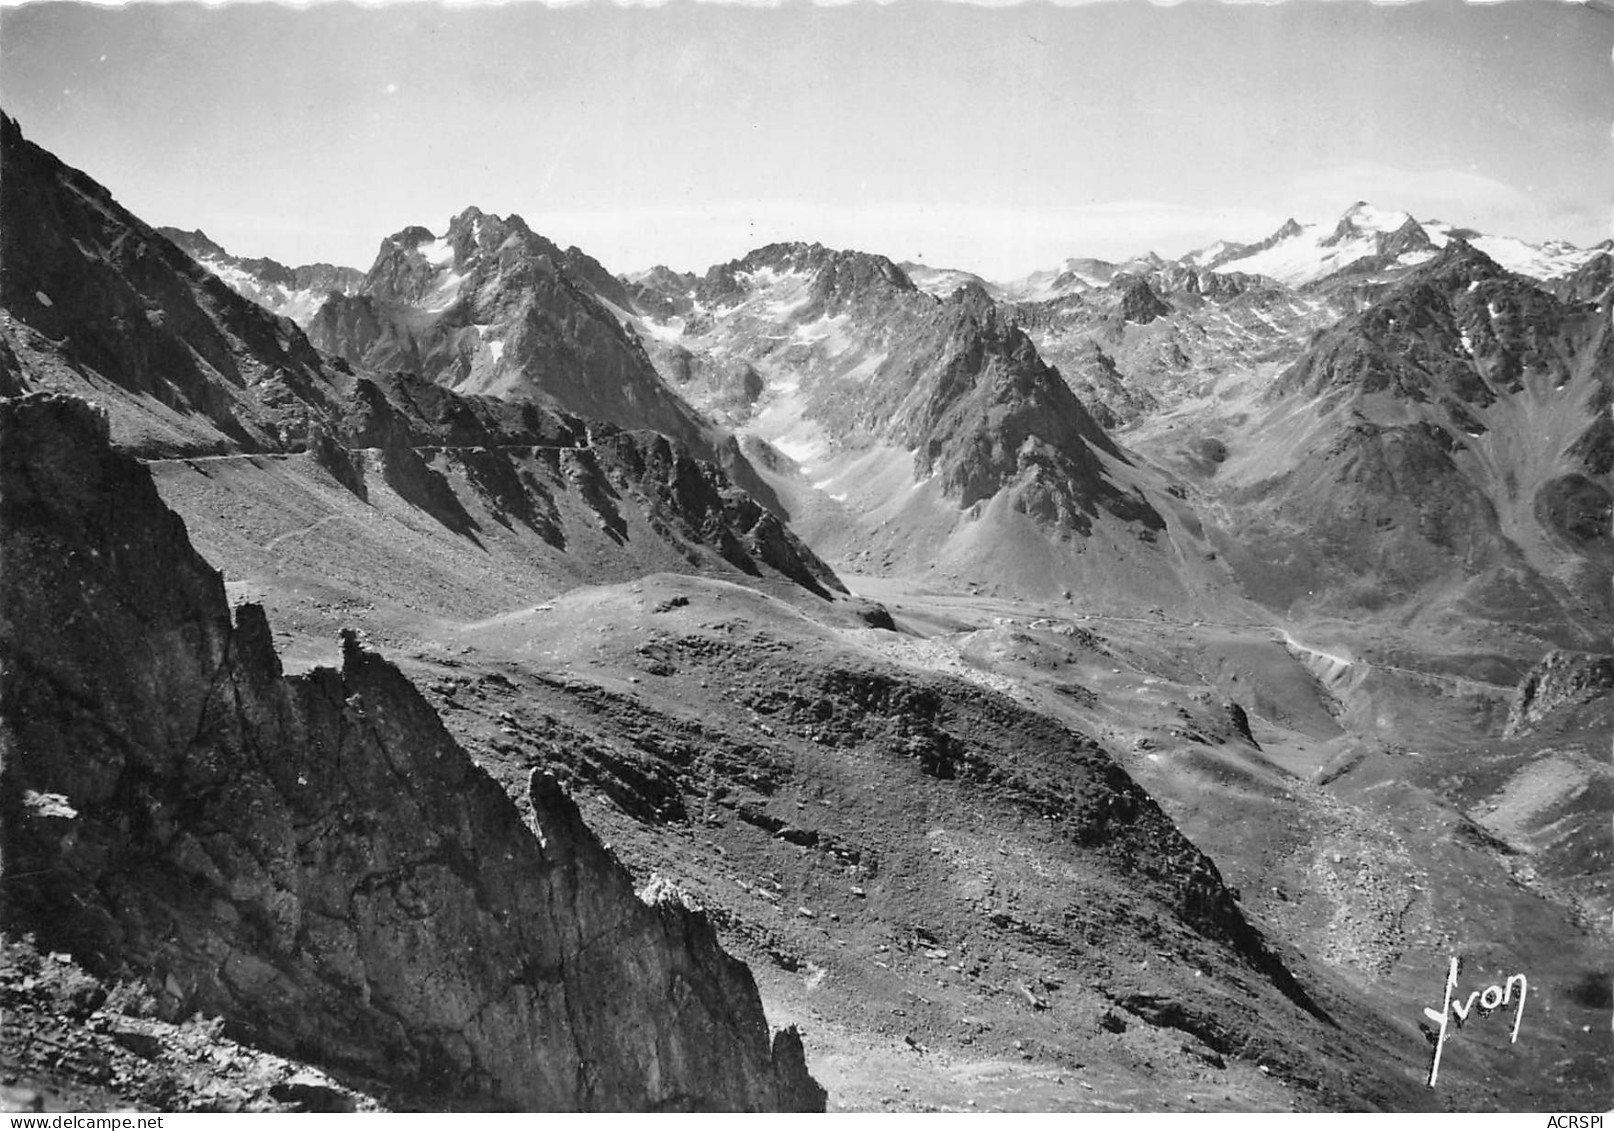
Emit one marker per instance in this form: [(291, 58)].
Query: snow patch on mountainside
[(782, 421), (297, 304), (1551, 260), (1315, 251), (1319, 250), (943, 281), (668, 331), (439, 253), (1205, 255), (443, 294), (826, 331)]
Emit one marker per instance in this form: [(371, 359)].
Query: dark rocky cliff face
[(1462, 430), (496, 308), (358, 326), (690, 503), (312, 857), (183, 361), (96, 303), (1458, 331), (984, 413)]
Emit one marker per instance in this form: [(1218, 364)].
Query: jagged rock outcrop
[(1560, 680), (1589, 282), (694, 500), (838, 281), (984, 412), (1140, 304), (689, 502), (1240, 720), (312, 857), (492, 307), (662, 292), (1176, 278), (1409, 235)]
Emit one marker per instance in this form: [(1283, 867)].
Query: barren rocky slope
[(187, 368), (1445, 458), (96, 301), (896, 813), (313, 858), (918, 862), (919, 434), (493, 308)]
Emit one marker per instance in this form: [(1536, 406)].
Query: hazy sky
[(995, 138)]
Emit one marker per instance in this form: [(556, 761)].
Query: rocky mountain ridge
[(1361, 507), (306, 478), (491, 307), (1367, 239), (312, 857), (96, 300), (1482, 388), (511, 455), (890, 412), (292, 292)]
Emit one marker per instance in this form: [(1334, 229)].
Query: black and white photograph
[(846, 556)]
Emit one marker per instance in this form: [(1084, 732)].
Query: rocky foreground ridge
[(312, 857)]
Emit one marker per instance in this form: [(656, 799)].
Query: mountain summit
[(492, 308), (1367, 238)]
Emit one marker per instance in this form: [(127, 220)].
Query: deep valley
[(1121, 689)]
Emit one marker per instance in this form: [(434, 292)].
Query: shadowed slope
[(313, 857)]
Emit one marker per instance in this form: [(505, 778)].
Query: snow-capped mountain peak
[(1367, 237), (1363, 219), (1553, 259), (1297, 254)]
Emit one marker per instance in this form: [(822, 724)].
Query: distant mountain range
[(912, 418), (95, 303), (617, 524)]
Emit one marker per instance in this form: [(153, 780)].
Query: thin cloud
[(996, 241), (1456, 195)]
